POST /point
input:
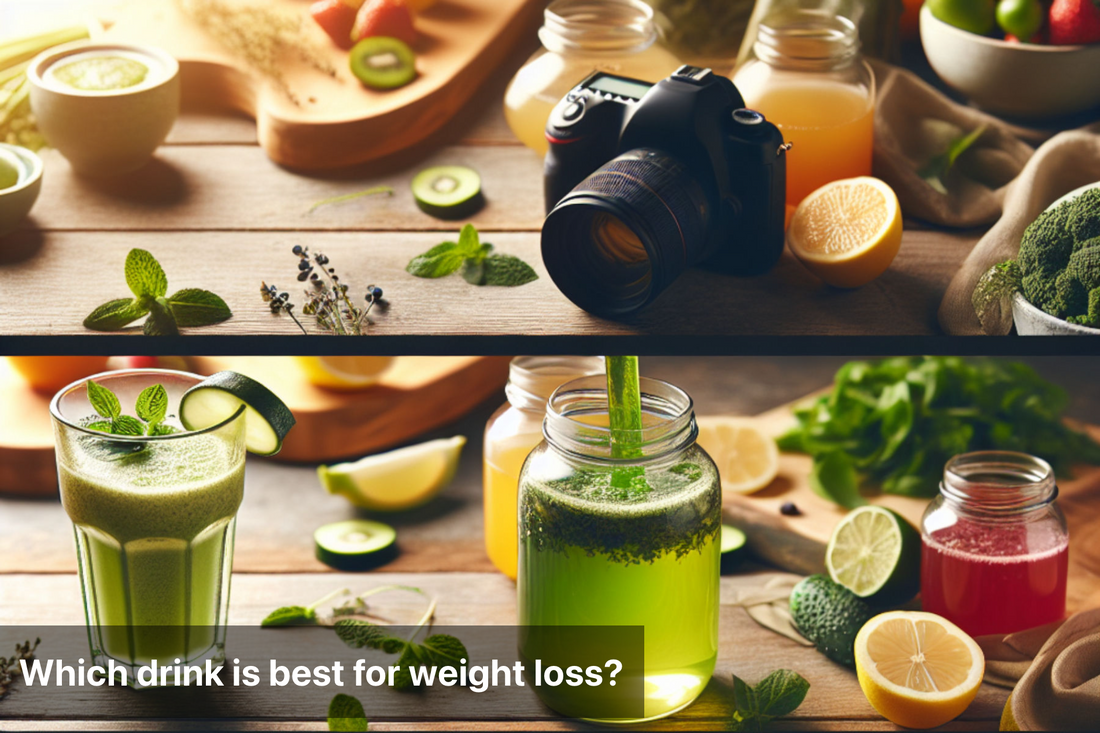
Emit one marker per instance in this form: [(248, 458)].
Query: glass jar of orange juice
[(513, 432), (809, 79), (579, 37)]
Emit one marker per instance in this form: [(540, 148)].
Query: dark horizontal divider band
[(294, 670)]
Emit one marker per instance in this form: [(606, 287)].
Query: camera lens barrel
[(626, 232)]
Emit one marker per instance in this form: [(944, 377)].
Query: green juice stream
[(154, 532)]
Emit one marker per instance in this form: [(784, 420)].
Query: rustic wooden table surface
[(442, 552), (218, 214)]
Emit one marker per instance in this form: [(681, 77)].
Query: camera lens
[(626, 232)]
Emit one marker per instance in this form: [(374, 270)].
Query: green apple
[(1020, 18), (976, 16)]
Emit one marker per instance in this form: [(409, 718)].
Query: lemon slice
[(847, 232), (747, 459), (397, 480), (917, 669), (344, 372)]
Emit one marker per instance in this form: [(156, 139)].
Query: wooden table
[(442, 552), (218, 214)]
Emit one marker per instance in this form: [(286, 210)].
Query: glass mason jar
[(154, 518), (809, 79), (996, 549), (579, 37), (624, 541), (511, 433)]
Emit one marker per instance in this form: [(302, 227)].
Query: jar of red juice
[(996, 549)]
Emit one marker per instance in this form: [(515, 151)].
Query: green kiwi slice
[(382, 62), (448, 191)]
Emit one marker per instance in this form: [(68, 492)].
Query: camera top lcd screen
[(617, 85)]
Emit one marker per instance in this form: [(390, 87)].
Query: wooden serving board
[(417, 394), (334, 122), (798, 543)]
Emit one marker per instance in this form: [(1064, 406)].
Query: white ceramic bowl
[(16, 201), (106, 133), (1030, 321), (1020, 79)]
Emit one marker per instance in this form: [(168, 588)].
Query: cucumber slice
[(448, 191), (357, 544), (732, 547), (216, 398)]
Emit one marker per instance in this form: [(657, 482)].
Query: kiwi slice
[(732, 547), (357, 544), (382, 62), (448, 191)]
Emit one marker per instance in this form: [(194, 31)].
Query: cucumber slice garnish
[(216, 398), (357, 544), (732, 547), (448, 191)]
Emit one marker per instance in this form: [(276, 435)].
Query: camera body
[(697, 118)]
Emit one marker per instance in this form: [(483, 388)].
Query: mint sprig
[(778, 694), (166, 314), (151, 408), (478, 263), (346, 714)]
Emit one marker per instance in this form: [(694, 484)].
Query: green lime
[(1020, 18), (357, 544), (9, 174), (875, 553), (216, 398), (829, 615), (976, 16), (732, 547)]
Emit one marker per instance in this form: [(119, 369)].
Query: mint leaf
[(346, 714), (439, 261), (115, 314), (508, 271), (469, 242), (100, 426), (152, 404), (780, 693), (834, 477), (103, 400), (144, 275), (160, 322), (290, 616), (358, 633), (473, 271), (126, 425), (162, 429), (444, 649), (410, 657), (196, 307)]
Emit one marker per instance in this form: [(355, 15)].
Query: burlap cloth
[(1000, 173), (1053, 670)]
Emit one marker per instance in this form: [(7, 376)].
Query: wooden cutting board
[(336, 121), (417, 394), (798, 543)]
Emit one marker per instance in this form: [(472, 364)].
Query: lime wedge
[(732, 547), (357, 544), (397, 480), (216, 398), (875, 553)]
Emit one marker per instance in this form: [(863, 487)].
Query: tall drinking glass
[(154, 518)]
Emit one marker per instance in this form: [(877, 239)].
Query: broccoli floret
[(1093, 316), (1079, 284), (1046, 245), (1083, 219), (1084, 264)]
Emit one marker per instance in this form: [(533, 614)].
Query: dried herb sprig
[(9, 666), (327, 299)]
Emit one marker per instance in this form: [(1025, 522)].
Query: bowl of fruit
[(1031, 59)]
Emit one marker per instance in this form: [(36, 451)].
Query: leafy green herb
[(937, 169), (9, 666), (992, 297), (103, 400), (346, 714), (894, 423), (388, 190), (778, 694), (478, 263), (152, 404), (300, 615), (151, 408), (149, 284)]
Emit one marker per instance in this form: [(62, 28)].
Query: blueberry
[(297, 249), (376, 293), (789, 509)]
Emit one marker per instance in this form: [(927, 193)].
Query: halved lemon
[(917, 669), (398, 479), (344, 372), (847, 232), (747, 459)]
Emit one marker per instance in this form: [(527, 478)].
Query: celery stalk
[(24, 49)]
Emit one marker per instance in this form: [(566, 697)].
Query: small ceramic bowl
[(108, 132), (1023, 80), (16, 201)]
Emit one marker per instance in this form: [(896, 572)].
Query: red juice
[(995, 578)]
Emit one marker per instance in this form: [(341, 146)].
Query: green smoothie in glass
[(154, 517)]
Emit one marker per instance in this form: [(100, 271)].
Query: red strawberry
[(336, 18), (384, 18), (1074, 22)]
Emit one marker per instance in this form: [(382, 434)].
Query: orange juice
[(831, 126), (501, 484)]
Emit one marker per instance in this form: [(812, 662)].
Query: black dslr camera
[(645, 180)]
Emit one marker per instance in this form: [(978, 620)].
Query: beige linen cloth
[(1000, 174), (1053, 670)]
